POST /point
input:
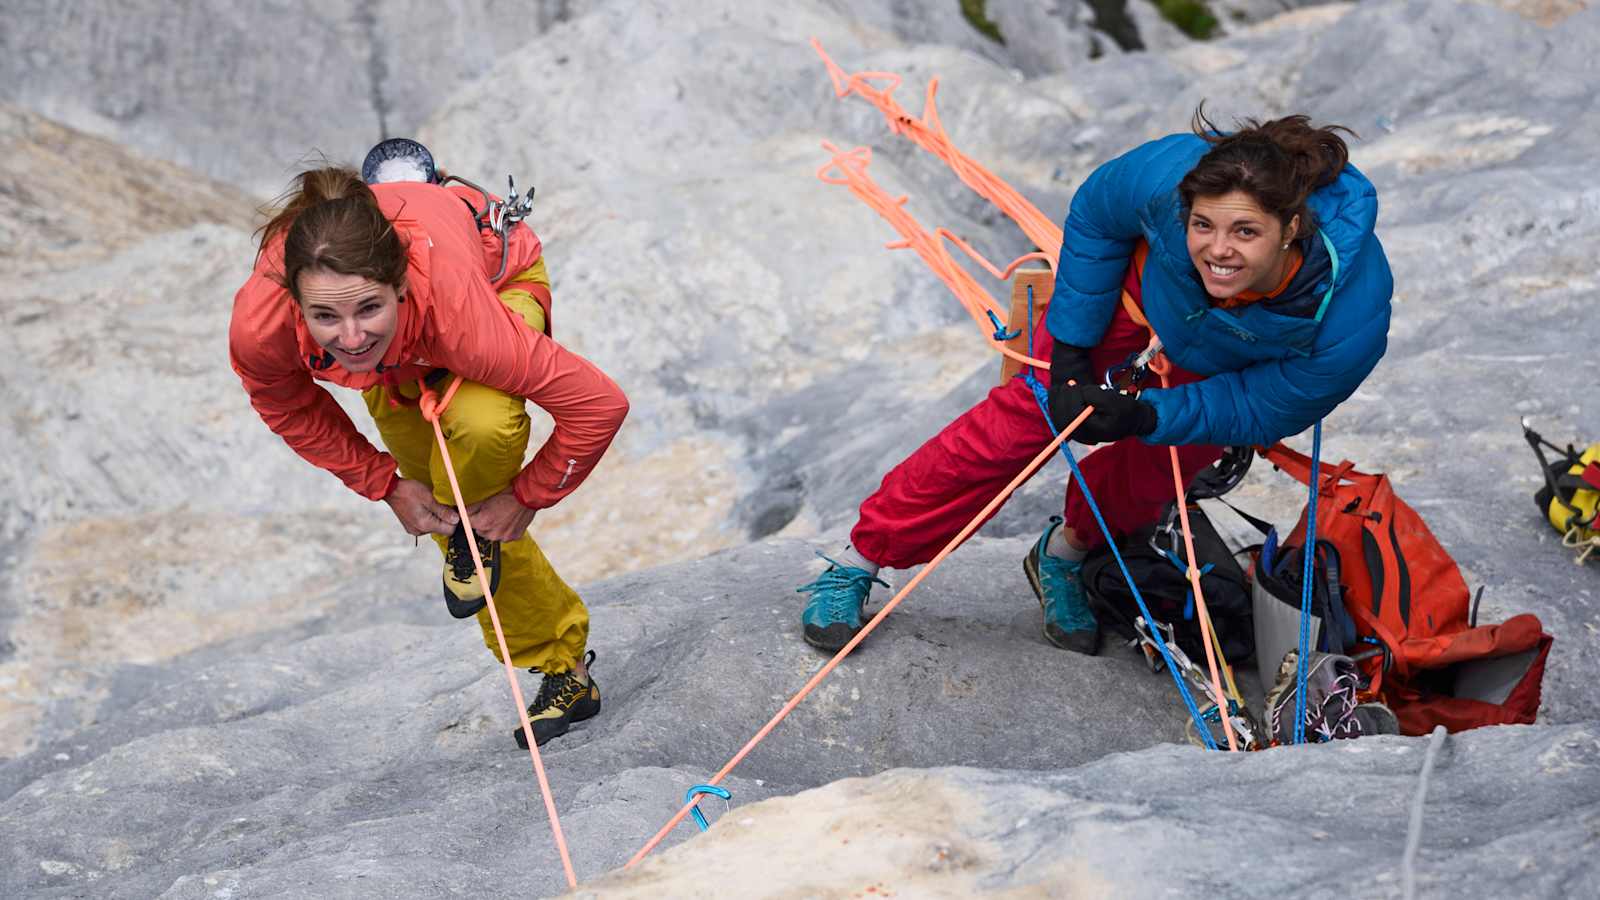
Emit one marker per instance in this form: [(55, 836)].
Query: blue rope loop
[(1042, 397), (1305, 588), (1188, 599)]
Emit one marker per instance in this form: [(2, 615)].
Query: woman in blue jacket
[(1249, 256)]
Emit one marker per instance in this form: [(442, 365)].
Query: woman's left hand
[(1116, 415), (501, 517)]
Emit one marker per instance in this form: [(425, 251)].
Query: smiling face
[(355, 318), (1236, 245)]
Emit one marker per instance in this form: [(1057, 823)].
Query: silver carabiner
[(1128, 375)]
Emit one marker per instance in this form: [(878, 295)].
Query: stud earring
[(1284, 247)]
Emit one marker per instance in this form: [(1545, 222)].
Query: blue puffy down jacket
[(1273, 368)]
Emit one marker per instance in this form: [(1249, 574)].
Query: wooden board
[(1043, 283)]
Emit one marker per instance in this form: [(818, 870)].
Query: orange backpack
[(1436, 665)]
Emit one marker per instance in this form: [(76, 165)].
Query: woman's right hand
[(413, 504)]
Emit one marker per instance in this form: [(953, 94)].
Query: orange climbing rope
[(851, 171), (1043, 457), (1161, 366), (928, 133), (432, 408)]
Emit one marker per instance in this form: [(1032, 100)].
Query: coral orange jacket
[(449, 318)]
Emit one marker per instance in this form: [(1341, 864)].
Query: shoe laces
[(559, 688), (459, 558), (558, 691), (841, 588)]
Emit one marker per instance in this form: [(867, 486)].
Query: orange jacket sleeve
[(477, 337), (286, 397)]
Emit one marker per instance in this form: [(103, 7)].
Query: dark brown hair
[(1278, 163), (331, 220)]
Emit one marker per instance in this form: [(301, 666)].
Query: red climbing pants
[(925, 500)]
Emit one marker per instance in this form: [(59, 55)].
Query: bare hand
[(413, 504), (501, 517)]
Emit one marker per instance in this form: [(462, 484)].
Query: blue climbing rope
[(1030, 325), (1310, 553), (1188, 598), (1042, 396)]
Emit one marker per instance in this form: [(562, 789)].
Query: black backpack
[(1157, 560)]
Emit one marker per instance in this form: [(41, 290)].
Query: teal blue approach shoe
[(1068, 621), (833, 614)]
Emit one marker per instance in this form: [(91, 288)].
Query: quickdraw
[(1239, 716)]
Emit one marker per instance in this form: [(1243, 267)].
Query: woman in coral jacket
[(1251, 256), (377, 288)]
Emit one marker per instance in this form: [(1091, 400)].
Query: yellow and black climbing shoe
[(463, 593), (564, 698)]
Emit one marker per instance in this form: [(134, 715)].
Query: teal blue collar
[(1333, 277)]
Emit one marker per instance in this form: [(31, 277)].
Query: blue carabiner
[(697, 790)]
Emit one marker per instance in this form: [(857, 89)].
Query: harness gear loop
[(432, 408), (966, 531), (498, 216)]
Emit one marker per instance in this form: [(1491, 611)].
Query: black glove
[(1067, 401), (1069, 363), (1070, 373), (1116, 415)]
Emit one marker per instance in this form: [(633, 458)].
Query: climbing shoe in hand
[(463, 592)]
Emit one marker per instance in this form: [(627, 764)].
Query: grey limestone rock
[(282, 762), (1508, 812)]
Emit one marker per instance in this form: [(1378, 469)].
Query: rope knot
[(1001, 335), (431, 404)]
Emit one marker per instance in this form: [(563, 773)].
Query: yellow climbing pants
[(545, 622)]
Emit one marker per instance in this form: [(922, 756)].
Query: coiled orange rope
[(929, 134), (850, 169)]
